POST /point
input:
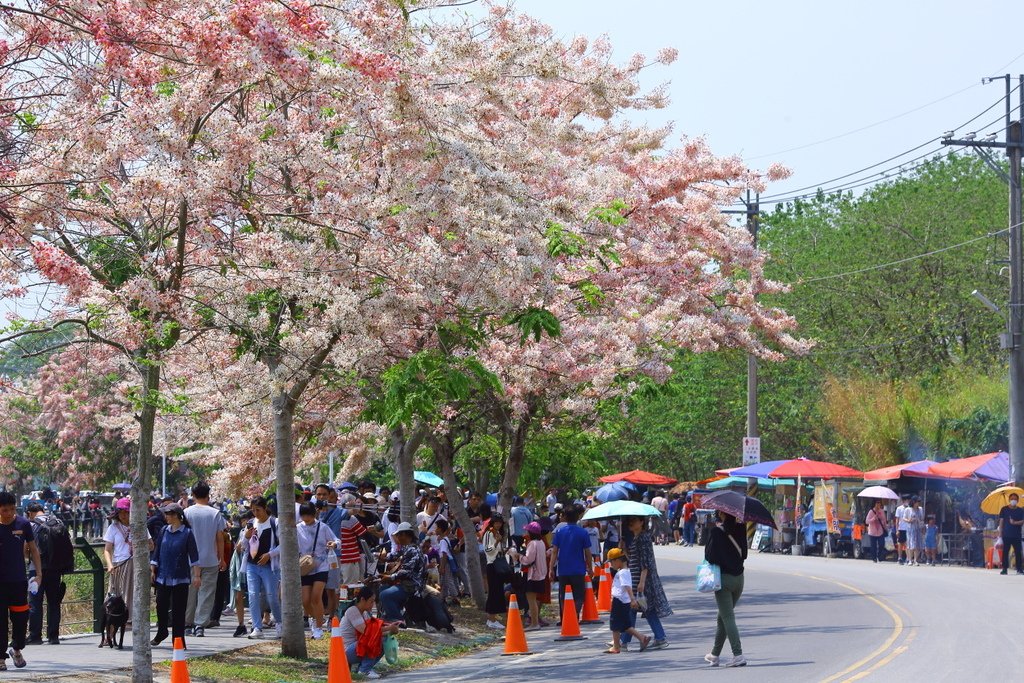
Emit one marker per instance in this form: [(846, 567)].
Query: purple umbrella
[(744, 508)]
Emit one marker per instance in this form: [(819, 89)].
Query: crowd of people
[(213, 561)]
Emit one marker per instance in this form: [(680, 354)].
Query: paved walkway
[(78, 655)]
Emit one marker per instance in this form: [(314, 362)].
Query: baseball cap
[(616, 554), (123, 504)]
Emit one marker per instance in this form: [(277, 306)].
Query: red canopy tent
[(897, 471), (640, 478)]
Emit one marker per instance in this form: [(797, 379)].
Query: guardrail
[(98, 574)]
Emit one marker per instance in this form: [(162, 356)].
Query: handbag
[(307, 563), (709, 577), (501, 565)]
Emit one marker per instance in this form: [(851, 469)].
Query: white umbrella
[(883, 492)]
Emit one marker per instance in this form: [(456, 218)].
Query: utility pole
[(753, 216), (1013, 340)]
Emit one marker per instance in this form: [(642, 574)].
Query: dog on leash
[(115, 617)]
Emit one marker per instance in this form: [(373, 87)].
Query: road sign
[(751, 451)]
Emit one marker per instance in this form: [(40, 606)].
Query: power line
[(1001, 100), (908, 259)]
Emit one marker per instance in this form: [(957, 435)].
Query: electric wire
[(974, 118)]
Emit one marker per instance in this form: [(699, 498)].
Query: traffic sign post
[(751, 450)]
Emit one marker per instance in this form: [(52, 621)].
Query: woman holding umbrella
[(727, 548), (646, 582), (877, 529)]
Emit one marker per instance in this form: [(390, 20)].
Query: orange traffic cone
[(590, 615), (179, 667), (570, 622), (337, 662), (604, 594), (515, 636)]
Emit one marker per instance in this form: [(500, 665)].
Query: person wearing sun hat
[(405, 570)]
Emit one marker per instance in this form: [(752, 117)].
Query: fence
[(83, 602)]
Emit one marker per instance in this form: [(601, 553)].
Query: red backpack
[(371, 641)]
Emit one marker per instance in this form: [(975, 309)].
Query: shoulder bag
[(307, 563)]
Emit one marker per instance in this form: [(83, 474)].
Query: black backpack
[(55, 547)]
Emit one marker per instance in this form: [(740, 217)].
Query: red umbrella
[(814, 469), (640, 478)]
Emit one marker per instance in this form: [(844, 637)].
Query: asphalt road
[(800, 619)]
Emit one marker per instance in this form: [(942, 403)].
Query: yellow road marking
[(897, 630), (885, 660)]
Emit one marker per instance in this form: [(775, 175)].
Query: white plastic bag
[(709, 577)]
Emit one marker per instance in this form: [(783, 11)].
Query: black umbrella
[(742, 507)]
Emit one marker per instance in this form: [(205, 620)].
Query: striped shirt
[(351, 530)]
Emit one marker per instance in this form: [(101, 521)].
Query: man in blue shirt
[(520, 517), (571, 561), (16, 542)]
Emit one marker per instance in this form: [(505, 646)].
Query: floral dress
[(641, 556)]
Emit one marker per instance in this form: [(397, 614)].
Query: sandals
[(611, 651), (644, 642)]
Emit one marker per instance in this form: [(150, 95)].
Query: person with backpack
[(58, 557)]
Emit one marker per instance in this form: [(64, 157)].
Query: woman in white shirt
[(317, 540), (117, 552)]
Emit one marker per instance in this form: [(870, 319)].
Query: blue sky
[(760, 79)]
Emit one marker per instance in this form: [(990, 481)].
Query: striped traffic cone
[(604, 594), (570, 622), (179, 666), (515, 637), (337, 662)]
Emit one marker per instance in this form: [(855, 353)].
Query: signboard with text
[(751, 451)]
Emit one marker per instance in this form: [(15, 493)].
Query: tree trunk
[(293, 638), (404, 449), (142, 653), (444, 452), (516, 458)]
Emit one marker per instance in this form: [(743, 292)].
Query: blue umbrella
[(761, 469), (614, 491), (123, 486), (428, 478), (621, 508)]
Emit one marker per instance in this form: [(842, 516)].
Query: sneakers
[(17, 657), (240, 631), (256, 634), (317, 633), (372, 675), (277, 630), (34, 641), (198, 632), (738, 660), (658, 645), (711, 659), (496, 625), (1003, 572), (53, 641)]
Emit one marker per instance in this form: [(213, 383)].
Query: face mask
[(1013, 503)]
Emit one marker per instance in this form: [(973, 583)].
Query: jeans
[(1016, 545), (52, 591), (200, 600), (364, 664), (877, 548), (171, 602), (392, 600), (578, 584), (13, 599), (727, 597), (690, 532), (653, 620), (263, 581)]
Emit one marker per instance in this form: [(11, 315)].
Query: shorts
[(333, 579), (317, 577), (620, 618), (901, 536), (351, 573), (536, 586)]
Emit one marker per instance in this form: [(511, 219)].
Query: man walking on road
[(571, 559), (1011, 518), (208, 528), (57, 556), (17, 542)]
